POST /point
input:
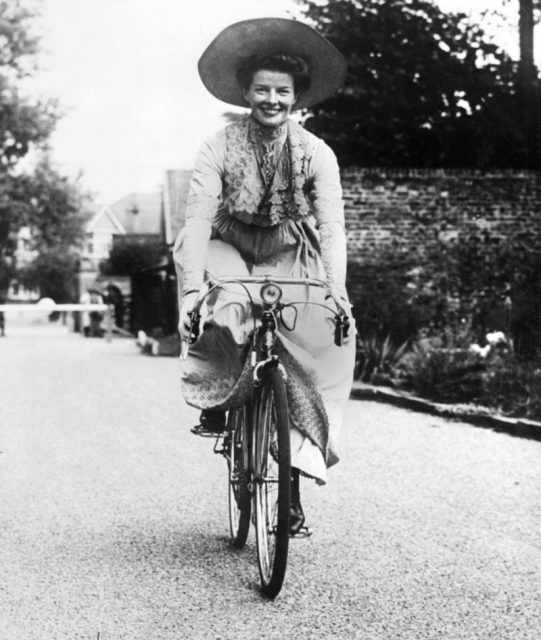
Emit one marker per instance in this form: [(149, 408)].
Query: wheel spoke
[(239, 495), (272, 472)]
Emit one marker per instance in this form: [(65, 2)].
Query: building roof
[(176, 187), (140, 213), (104, 220)]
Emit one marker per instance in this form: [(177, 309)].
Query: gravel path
[(114, 524)]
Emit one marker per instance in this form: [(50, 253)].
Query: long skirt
[(217, 372)]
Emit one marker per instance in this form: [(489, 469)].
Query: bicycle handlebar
[(265, 278), (214, 282)]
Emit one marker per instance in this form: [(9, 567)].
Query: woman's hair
[(295, 66)]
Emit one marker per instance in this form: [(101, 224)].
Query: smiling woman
[(121, 95), (265, 198), (271, 96)]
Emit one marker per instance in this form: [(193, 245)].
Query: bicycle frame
[(260, 433)]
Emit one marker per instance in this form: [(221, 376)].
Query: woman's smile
[(271, 96)]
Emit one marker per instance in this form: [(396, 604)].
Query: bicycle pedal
[(303, 532), (200, 430)]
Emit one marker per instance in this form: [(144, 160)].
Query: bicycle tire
[(271, 480), (239, 497)]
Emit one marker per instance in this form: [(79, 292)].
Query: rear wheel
[(239, 494), (271, 478)]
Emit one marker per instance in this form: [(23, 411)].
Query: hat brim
[(221, 59)]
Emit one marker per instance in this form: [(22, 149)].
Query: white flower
[(497, 337), (480, 351)]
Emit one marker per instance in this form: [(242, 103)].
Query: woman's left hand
[(184, 321)]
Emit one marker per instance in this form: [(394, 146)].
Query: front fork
[(264, 342)]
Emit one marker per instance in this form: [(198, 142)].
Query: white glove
[(184, 322)]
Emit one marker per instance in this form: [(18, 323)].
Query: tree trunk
[(528, 84)]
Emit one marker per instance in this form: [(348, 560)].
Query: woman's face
[(271, 96)]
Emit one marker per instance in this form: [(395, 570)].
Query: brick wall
[(411, 209)]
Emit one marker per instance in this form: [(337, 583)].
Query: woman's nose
[(272, 96)]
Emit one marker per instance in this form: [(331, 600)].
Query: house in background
[(135, 218), (154, 290)]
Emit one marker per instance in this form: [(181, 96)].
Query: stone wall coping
[(383, 172), (472, 414)]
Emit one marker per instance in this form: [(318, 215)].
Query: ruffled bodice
[(265, 179), (256, 191)]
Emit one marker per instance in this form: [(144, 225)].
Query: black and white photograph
[(270, 319)]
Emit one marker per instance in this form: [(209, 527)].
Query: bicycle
[(256, 444)]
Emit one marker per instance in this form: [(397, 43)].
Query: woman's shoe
[(212, 421), (296, 514)]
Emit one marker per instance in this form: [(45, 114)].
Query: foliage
[(24, 121), (512, 386), (501, 284), (51, 205), (129, 258), (424, 88), (442, 367), (377, 359), (55, 210), (397, 294), (54, 274), (492, 283), (448, 367), (40, 198)]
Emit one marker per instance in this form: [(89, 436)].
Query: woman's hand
[(341, 300), (184, 322)]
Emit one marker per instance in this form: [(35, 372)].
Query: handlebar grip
[(195, 320), (341, 329), (345, 326), (338, 332)]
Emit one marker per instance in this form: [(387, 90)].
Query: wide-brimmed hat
[(220, 61)]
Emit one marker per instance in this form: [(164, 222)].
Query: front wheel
[(237, 462), (272, 479)]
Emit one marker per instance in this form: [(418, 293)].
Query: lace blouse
[(265, 180), (292, 175)]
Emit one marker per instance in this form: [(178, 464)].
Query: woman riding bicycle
[(265, 198)]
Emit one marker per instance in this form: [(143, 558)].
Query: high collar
[(267, 134)]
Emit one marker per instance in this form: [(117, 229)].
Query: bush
[(130, 258), (493, 287), (395, 298), (442, 367), (512, 387), (377, 360), (54, 275), (450, 368)]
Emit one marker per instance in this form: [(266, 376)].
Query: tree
[(131, 257), (54, 274), (55, 209), (41, 199), (424, 88), (23, 121), (528, 82)]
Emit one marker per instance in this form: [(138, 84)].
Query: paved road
[(113, 517)]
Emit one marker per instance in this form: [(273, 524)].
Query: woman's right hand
[(184, 321)]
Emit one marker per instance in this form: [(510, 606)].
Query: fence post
[(109, 322)]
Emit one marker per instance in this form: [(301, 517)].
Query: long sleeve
[(326, 196), (332, 240), (204, 198)]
